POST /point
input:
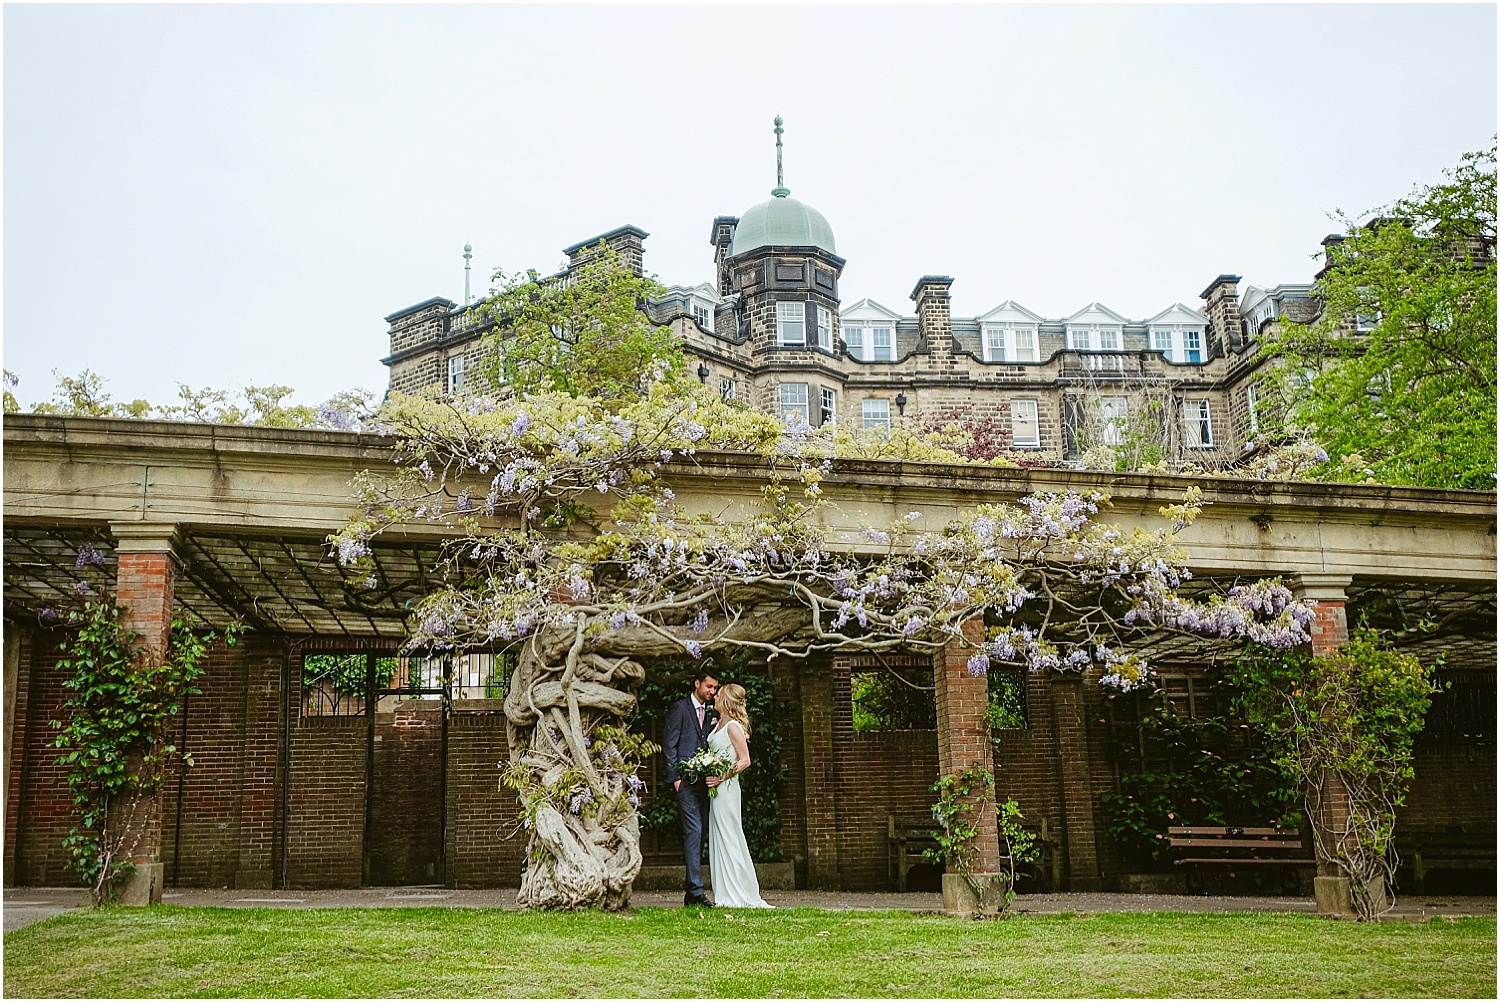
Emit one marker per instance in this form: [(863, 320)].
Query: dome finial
[(781, 190)]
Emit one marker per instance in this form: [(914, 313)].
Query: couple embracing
[(715, 719)]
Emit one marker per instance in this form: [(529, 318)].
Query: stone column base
[(143, 885), (959, 898), (1335, 900)]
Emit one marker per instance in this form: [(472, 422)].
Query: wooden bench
[(1239, 848), (908, 839), (1444, 849)]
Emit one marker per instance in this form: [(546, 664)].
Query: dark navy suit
[(684, 738)]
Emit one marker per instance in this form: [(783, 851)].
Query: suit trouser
[(692, 804)]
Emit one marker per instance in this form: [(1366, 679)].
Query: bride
[(733, 874)]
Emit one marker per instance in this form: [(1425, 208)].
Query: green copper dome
[(782, 222)]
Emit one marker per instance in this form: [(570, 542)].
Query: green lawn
[(174, 951)]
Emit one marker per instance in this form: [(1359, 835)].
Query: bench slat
[(1248, 862), (1205, 832), (1235, 843)]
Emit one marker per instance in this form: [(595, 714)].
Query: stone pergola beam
[(231, 480)]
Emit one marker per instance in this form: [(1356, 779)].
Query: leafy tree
[(1402, 359), (84, 395), (583, 333)]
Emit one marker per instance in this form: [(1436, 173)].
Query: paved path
[(24, 905)]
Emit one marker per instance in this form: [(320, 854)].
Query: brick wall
[(880, 773), (819, 780), (40, 811), (404, 844), (1026, 764), (839, 788), (1453, 787), (326, 817), (204, 850), (485, 847)]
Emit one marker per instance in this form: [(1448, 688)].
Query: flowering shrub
[(568, 543)]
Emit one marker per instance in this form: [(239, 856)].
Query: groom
[(689, 722)]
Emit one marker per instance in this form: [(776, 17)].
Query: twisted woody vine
[(568, 544)]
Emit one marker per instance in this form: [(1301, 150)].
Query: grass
[(168, 951)]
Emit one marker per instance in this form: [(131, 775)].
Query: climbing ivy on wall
[(113, 734), (1173, 767)]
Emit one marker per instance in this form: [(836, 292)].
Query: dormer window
[(791, 323), (1009, 343), (1178, 343), (854, 341), (703, 316), (870, 342)]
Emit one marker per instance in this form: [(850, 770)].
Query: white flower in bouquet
[(702, 765)]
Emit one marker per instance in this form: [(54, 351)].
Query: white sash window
[(704, 317), (1178, 344), (1023, 344), (794, 401), (455, 375), (994, 343), (825, 329), (1025, 430), (791, 323), (854, 340), (876, 413), (1113, 413), (1197, 429), (883, 342)]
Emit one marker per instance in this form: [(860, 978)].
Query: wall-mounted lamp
[(901, 405), (702, 373)]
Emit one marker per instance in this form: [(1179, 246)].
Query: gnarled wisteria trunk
[(565, 722)]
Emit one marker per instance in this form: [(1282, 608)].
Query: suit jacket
[(683, 735)]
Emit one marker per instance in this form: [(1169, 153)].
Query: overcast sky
[(233, 195)]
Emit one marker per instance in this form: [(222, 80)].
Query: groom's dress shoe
[(698, 900)]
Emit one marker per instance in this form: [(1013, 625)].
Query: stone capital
[(1321, 587), (144, 537)]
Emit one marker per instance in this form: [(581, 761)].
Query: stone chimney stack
[(1226, 332), (628, 243), (1330, 245), (935, 320)]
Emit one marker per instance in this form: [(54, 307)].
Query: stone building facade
[(771, 330)]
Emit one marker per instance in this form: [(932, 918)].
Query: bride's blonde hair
[(730, 702)]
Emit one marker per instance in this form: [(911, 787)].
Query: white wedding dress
[(733, 874)]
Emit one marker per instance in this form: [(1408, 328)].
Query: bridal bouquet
[(702, 765)]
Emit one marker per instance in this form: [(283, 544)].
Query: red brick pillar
[(818, 776), (964, 743), (143, 587), (1330, 631), (1080, 834)]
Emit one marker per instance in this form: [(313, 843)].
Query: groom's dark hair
[(704, 673)]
